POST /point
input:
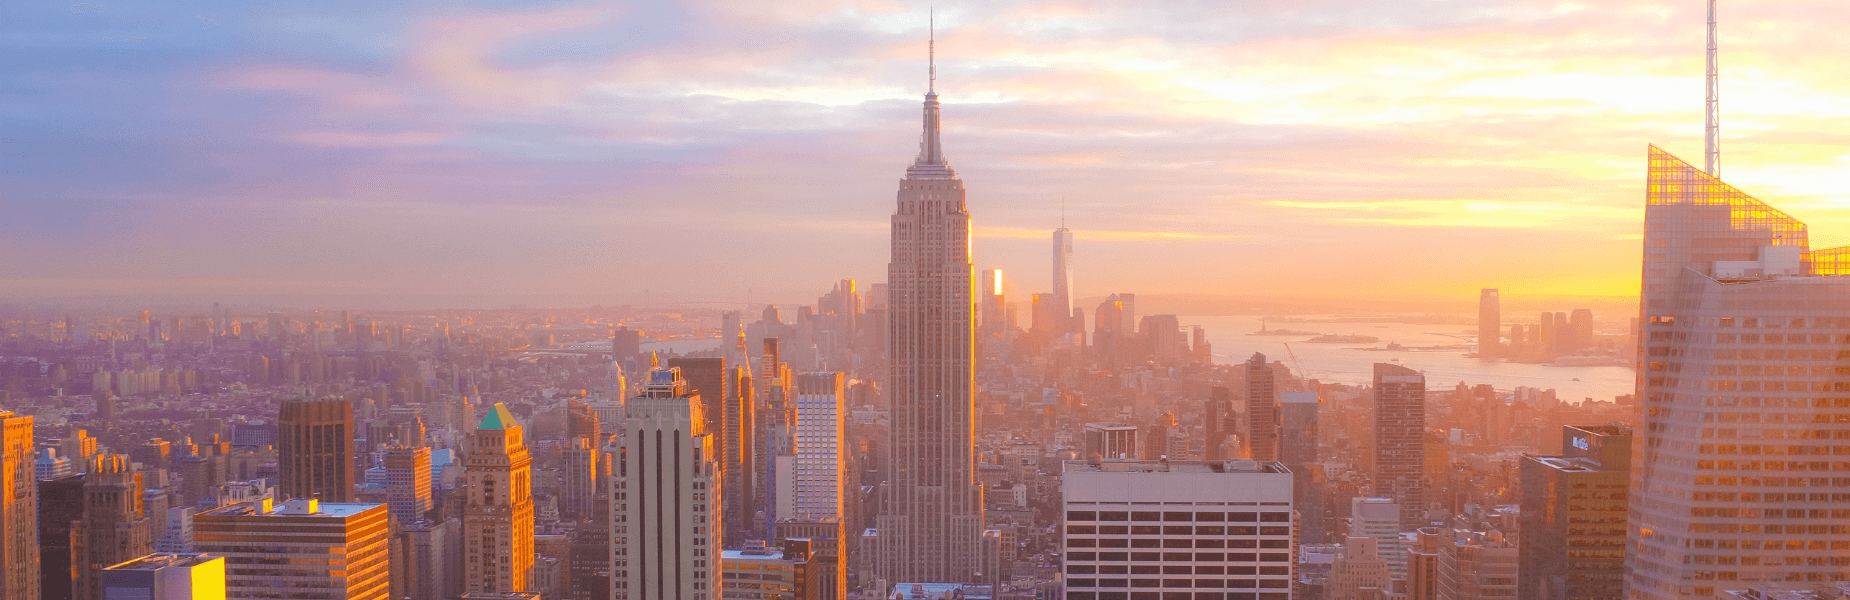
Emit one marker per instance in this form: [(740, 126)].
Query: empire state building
[(930, 524)]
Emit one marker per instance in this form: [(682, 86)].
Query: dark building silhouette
[(315, 450)]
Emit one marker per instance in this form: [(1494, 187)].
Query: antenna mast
[(931, 48), (1712, 109)]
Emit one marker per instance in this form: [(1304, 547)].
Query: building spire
[(1712, 109), (931, 163)]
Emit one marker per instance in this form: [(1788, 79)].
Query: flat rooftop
[(1174, 466), (158, 561)]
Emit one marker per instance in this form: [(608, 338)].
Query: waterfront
[(1343, 363)]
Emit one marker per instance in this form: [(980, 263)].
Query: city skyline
[(382, 132)]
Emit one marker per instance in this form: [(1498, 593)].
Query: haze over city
[(573, 153)]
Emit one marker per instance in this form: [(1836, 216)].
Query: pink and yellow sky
[(706, 150)]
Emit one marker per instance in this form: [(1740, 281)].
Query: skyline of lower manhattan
[(584, 302)]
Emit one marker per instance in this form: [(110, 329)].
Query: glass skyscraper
[(1742, 470)]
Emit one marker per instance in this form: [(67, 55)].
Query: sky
[(726, 150)]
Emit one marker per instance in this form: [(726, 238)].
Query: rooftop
[(1174, 466), (498, 417), (162, 560)]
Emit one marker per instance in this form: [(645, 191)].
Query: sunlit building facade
[(1743, 468), (930, 523)]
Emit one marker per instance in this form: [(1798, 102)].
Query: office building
[(1400, 441), (498, 511), (1379, 518), (1222, 426), (177, 534), (930, 523), (434, 559), (1489, 323), (709, 379), (1111, 441), (1261, 410), (19, 516), (115, 528), (301, 549), (1573, 517), (578, 478), (1360, 573), (821, 426), (664, 497), (1477, 565), (581, 421), (315, 449), (1141, 527), (1423, 562), (407, 488), (166, 576), (994, 304), (758, 573), (60, 526), (1743, 392), (739, 454), (1299, 451), (1061, 304)]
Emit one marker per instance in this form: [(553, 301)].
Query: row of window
[(1174, 543), (1178, 596), (1178, 516), (1174, 556), (1213, 584), (1176, 570), (1178, 530)]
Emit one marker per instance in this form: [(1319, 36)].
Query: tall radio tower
[(1712, 109)]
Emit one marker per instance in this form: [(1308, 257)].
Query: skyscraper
[(739, 454), (1062, 304), (315, 449), (1741, 343), (930, 525), (664, 497), (301, 549), (407, 486), (1489, 323), (1573, 517), (19, 516), (994, 323), (60, 526), (498, 514), (1235, 515), (1223, 420), (115, 528), (821, 427), (1400, 441), (1261, 410)]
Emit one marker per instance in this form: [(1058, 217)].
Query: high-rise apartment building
[(1261, 410), (1489, 323), (1573, 516), (115, 528), (1135, 528), (498, 506), (315, 449), (302, 549), (407, 488), (930, 523), (1746, 402), (166, 576), (1400, 441), (1061, 304), (665, 496), (821, 428), (19, 510)]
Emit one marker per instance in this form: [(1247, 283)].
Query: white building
[(820, 429), (665, 497), (1379, 518), (165, 576), (1140, 527)]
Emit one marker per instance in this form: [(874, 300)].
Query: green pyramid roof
[(498, 418)]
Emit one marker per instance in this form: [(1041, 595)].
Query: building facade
[(821, 404), (1261, 410), (1573, 517), (1400, 441), (930, 522), (498, 506), (166, 576), (115, 526), (407, 488), (665, 497), (1746, 402), (315, 450), (301, 549), (1135, 528), (19, 509)]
